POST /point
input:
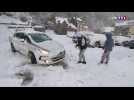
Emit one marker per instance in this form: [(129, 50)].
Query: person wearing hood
[(82, 45), (108, 46), (76, 36)]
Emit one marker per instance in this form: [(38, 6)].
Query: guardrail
[(20, 27), (12, 24)]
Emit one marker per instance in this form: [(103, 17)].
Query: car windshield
[(39, 37)]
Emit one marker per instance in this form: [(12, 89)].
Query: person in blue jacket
[(108, 46)]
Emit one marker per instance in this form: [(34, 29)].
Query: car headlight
[(43, 52)]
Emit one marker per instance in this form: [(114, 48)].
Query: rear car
[(120, 40), (131, 44), (125, 43), (97, 40)]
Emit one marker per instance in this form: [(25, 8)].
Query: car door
[(26, 45), (19, 42)]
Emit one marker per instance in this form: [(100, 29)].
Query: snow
[(6, 19), (61, 19), (79, 19), (119, 72)]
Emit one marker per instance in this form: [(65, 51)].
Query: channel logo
[(120, 18)]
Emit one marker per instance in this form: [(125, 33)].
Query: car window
[(39, 37), (22, 36), (19, 35)]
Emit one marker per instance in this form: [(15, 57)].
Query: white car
[(38, 47), (97, 40), (118, 40)]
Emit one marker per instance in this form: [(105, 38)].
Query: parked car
[(97, 40), (129, 44), (125, 43), (118, 40), (39, 47), (117, 43)]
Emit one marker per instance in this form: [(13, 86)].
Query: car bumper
[(49, 61), (46, 60)]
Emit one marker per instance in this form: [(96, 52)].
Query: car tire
[(13, 48), (32, 58), (131, 47)]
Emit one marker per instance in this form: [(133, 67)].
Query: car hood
[(53, 47)]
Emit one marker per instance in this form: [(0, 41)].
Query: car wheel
[(32, 58), (131, 47), (13, 48)]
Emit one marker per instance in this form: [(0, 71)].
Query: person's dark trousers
[(105, 57), (82, 56)]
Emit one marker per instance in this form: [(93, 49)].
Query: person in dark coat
[(108, 46), (82, 45)]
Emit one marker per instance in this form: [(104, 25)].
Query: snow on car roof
[(29, 30), (61, 19)]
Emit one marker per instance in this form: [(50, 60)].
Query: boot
[(79, 62), (106, 62), (101, 62), (84, 62)]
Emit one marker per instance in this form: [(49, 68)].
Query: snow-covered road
[(119, 72)]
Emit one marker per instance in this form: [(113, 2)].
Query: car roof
[(27, 31)]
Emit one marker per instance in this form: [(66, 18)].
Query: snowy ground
[(119, 72)]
